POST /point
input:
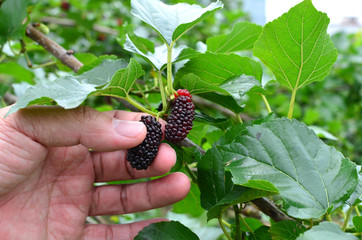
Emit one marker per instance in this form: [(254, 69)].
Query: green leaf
[(310, 175), (85, 58), (222, 123), (158, 58), (213, 182), (357, 222), (238, 86), (286, 230), (356, 196), (171, 21), (262, 233), (217, 190), (69, 91), (323, 133), (123, 80), (296, 46), (172, 230), (217, 68), (242, 37), (12, 16), (88, 66), (190, 204), (187, 53), (196, 86), (235, 131), (326, 230), (253, 223), (142, 44), (225, 101), (17, 71)]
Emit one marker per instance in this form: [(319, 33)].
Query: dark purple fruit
[(141, 156), (179, 122)]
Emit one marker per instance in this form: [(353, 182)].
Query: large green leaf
[(95, 62), (12, 16), (311, 176), (242, 37), (326, 230), (171, 21), (71, 91), (123, 80), (172, 230), (296, 46), (217, 190), (217, 68), (223, 100), (195, 85), (159, 57), (238, 86)]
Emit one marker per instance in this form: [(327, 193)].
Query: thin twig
[(55, 49), (71, 23), (269, 208), (9, 98)]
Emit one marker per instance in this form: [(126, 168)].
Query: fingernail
[(128, 128)]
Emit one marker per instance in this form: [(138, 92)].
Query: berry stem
[(268, 108), (162, 90), (143, 95), (139, 106), (169, 68), (239, 118)]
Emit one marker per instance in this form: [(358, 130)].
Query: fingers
[(120, 199), (55, 126), (124, 231), (113, 166)]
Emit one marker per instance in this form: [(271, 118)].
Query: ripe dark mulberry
[(179, 122), (141, 156)]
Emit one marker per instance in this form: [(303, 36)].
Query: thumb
[(53, 126)]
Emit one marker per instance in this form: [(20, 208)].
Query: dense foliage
[(278, 114)]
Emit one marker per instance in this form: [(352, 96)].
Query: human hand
[(47, 174)]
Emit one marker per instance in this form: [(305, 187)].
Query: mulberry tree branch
[(264, 204), (66, 57), (269, 208)]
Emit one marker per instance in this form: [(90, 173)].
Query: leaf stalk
[(291, 105), (345, 224), (139, 106), (162, 91), (265, 100), (237, 222), (221, 223), (357, 210), (169, 68)]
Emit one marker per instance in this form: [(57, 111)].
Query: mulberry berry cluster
[(179, 122), (141, 156)]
